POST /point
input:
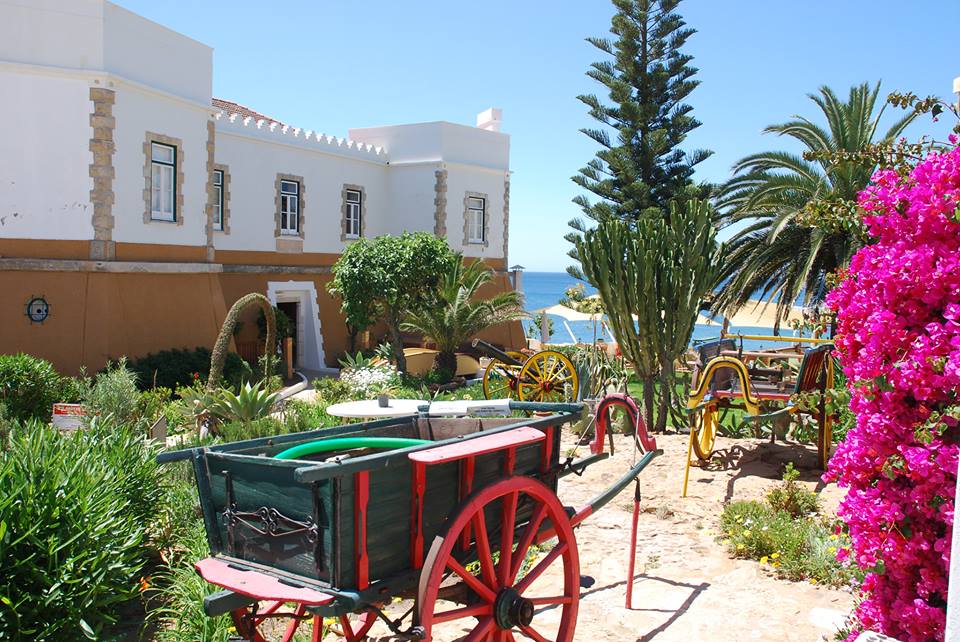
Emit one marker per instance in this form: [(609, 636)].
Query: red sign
[(67, 416)]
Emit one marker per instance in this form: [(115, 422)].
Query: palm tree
[(776, 256), (456, 314)]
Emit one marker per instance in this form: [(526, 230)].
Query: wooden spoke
[(482, 631), (546, 601), (466, 611), (483, 549), (496, 621), (541, 566), (526, 540), (471, 580), (531, 633), (271, 625), (294, 624), (508, 522)]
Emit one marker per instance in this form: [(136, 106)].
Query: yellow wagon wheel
[(500, 379), (548, 376), (703, 431)]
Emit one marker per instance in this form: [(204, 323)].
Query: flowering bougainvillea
[(899, 344)]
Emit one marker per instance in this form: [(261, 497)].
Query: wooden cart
[(464, 525), (546, 376), (725, 381)]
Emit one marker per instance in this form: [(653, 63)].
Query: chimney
[(490, 119)]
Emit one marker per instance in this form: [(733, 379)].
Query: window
[(218, 199), (290, 207), (351, 222), (476, 214), (163, 163)]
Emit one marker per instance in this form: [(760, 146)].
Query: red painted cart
[(455, 518)]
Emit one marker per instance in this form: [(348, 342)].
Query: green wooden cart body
[(309, 509)]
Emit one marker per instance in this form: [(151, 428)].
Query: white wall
[(146, 52), (410, 193), (44, 157), (137, 112), (96, 35), (436, 141), (461, 180), (60, 33), (255, 156)]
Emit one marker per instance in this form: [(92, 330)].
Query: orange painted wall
[(98, 316), (95, 316)]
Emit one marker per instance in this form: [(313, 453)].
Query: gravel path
[(687, 588)]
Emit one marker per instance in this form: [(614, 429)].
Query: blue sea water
[(543, 289)]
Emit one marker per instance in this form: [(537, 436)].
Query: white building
[(137, 207)]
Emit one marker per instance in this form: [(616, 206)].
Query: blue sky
[(331, 66)]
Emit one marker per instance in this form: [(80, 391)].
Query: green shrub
[(74, 511), (796, 549), (29, 386), (240, 430), (331, 391), (114, 392), (300, 416), (792, 498), (180, 367), (786, 535), (179, 591)]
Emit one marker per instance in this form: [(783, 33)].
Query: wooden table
[(371, 409)]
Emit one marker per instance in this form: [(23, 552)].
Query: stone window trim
[(506, 219), (101, 170), (177, 144), (225, 191), (301, 206), (466, 218), (440, 203), (343, 211)]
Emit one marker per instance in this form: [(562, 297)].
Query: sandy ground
[(687, 588)]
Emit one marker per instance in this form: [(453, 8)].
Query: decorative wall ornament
[(37, 309)]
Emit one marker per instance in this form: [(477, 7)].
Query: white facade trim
[(300, 142), (310, 353), (105, 79)]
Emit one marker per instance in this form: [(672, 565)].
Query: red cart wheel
[(280, 622), (503, 601)]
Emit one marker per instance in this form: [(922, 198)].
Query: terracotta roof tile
[(230, 107)]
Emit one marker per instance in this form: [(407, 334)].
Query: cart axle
[(511, 609)]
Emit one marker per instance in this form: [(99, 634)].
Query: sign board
[(67, 416)]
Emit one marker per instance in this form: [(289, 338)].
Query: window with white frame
[(476, 218), (163, 162), (218, 199), (352, 223), (289, 207)]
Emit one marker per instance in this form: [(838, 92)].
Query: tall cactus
[(220, 348), (658, 269)]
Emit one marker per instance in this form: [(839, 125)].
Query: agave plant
[(251, 403), (776, 255)]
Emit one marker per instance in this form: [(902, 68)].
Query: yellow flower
[(813, 580), (740, 547), (763, 560), (832, 549), (776, 564), (775, 555), (231, 629), (746, 533), (834, 536)]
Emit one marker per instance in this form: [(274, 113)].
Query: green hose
[(345, 443)]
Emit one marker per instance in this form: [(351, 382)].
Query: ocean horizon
[(543, 289)]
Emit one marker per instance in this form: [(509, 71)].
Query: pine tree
[(640, 167)]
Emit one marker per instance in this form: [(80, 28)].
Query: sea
[(543, 289)]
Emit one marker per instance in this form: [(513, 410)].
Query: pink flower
[(898, 341)]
